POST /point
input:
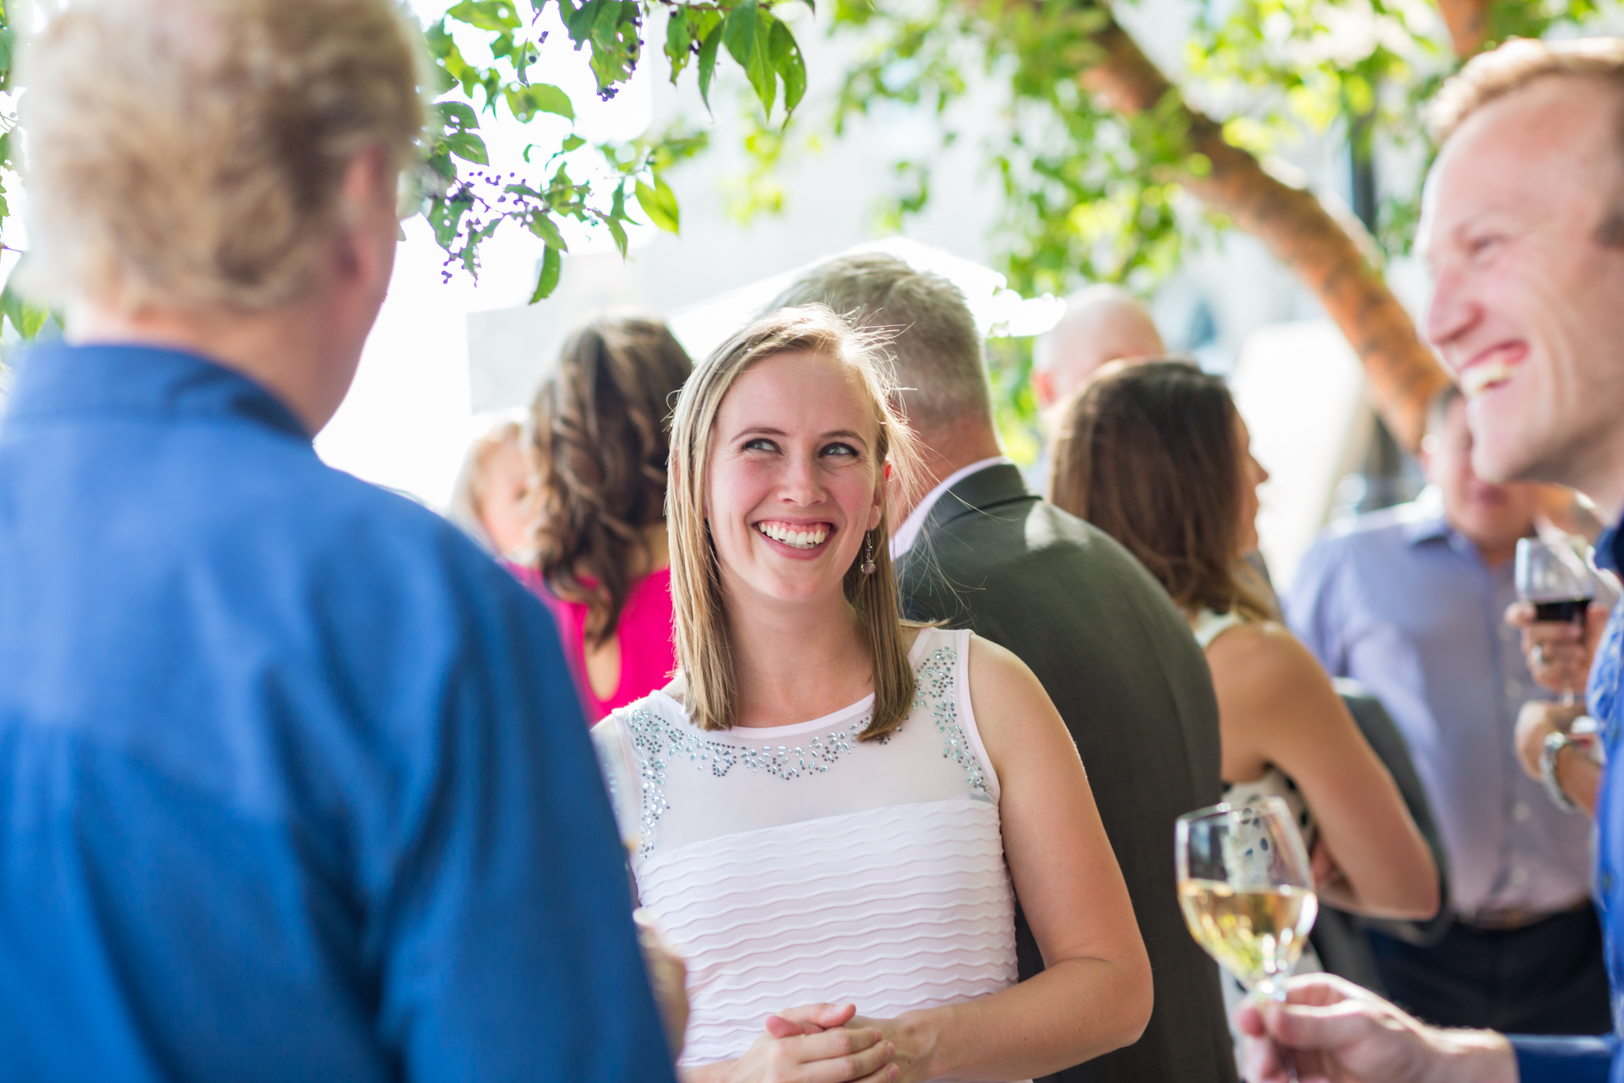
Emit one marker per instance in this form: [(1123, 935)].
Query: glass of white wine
[(1247, 890)]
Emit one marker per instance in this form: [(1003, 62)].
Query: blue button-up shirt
[(1403, 603), (293, 785), (1596, 1060)]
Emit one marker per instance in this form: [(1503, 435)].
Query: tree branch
[(1330, 254), (1468, 23)]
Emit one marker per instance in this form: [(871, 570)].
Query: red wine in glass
[(1554, 578), (1567, 610)]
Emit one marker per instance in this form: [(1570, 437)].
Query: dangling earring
[(868, 553)]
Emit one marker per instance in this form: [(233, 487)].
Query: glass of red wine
[(1552, 577)]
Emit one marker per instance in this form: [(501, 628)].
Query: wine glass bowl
[(1246, 888), (1552, 577), (1552, 574)]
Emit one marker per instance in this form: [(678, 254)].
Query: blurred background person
[(981, 551), (1409, 601), (492, 499), (294, 778), (1156, 455), (1102, 323), (601, 440), (832, 804)]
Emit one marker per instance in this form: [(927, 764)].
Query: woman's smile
[(798, 537)]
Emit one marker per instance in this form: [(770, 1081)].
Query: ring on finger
[(1540, 657)]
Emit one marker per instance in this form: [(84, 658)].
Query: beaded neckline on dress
[(663, 738)]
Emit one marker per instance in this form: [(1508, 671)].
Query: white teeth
[(1484, 375), (795, 539)]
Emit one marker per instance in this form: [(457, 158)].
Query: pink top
[(647, 653)]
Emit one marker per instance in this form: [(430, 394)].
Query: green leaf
[(543, 227), (551, 99), (495, 15), (440, 162), (26, 318), (678, 43), (747, 33), (458, 116), (617, 231), (578, 20), (604, 25), (659, 202), (527, 101), (573, 142), (445, 215), (547, 278), (468, 146), (617, 213), (707, 61), (453, 68), (787, 60)]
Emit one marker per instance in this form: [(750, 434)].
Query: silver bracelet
[(1554, 744)]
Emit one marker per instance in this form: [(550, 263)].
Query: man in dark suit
[(1117, 658)]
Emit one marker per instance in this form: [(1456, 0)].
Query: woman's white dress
[(795, 864)]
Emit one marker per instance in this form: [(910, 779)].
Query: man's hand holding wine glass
[(1338, 1032), (1559, 651)]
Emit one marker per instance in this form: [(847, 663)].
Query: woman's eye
[(1480, 245), (761, 443), (842, 450)]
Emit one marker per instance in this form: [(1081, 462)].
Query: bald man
[(1102, 324)]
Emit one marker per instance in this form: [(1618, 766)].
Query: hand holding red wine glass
[(1552, 577)]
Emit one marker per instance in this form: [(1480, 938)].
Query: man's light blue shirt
[(1403, 603), (293, 783), (1598, 1060)]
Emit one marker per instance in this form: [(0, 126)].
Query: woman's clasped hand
[(813, 1043)]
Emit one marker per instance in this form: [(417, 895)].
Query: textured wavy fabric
[(796, 864)]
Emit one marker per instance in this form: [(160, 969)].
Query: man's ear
[(369, 184), (368, 225)]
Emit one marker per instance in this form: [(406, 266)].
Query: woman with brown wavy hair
[(601, 443), (1156, 455)]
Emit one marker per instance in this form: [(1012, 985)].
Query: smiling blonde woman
[(835, 813)]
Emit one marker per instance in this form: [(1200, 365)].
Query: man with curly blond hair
[(293, 782)]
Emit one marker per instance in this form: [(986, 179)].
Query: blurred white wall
[(1301, 390)]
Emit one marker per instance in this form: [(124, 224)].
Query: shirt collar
[(1610, 549), (58, 379), (1425, 519), (908, 533)]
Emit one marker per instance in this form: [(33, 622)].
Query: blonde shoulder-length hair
[(705, 659)]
